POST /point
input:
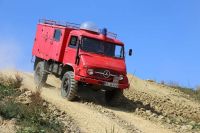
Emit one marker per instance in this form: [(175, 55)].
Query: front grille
[(99, 74)]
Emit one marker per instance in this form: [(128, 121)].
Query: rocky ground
[(53, 114), (29, 99), (7, 126), (147, 107), (170, 106)]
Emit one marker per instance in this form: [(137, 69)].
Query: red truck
[(80, 55)]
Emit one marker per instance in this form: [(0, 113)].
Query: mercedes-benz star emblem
[(106, 74)]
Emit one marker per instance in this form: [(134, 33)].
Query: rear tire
[(40, 75), (113, 97), (69, 86)]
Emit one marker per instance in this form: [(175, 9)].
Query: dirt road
[(90, 116)]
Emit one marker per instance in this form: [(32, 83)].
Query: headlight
[(90, 71), (121, 77)]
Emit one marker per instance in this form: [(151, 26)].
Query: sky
[(164, 34)]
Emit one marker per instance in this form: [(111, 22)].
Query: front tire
[(40, 75), (114, 97), (69, 86)]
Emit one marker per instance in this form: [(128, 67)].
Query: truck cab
[(80, 55)]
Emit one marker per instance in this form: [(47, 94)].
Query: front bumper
[(97, 82)]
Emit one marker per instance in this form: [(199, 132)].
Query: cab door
[(70, 50)]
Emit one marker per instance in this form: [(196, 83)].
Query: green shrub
[(29, 116), (8, 91)]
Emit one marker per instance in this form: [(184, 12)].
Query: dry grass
[(195, 94), (28, 116), (11, 81), (112, 130), (198, 89)]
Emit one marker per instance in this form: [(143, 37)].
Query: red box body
[(47, 48)]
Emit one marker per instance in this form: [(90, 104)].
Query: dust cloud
[(9, 54)]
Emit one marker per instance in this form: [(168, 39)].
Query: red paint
[(47, 48)]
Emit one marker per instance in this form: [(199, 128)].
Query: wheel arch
[(37, 60), (67, 67)]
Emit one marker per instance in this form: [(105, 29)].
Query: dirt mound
[(155, 100), (167, 106)]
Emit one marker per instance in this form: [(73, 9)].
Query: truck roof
[(111, 37), (96, 36)]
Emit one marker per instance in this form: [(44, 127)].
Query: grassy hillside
[(28, 115)]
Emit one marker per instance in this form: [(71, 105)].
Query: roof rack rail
[(65, 24), (71, 25), (112, 35)]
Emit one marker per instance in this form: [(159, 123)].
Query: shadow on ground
[(49, 86), (86, 94), (97, 97)]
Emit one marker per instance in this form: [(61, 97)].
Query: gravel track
[(90, 115)]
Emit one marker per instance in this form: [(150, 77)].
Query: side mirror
[(130, 52)]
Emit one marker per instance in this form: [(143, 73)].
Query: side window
[(57, 34), (73, 42), (118, 51)]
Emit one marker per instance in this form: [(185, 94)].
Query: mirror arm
[(77, 53)]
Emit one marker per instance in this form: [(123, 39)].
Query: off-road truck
[(80, 55)]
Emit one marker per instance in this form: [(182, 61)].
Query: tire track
[(127, 120), (130, 127)]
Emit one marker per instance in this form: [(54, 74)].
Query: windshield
[(101, 47)]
